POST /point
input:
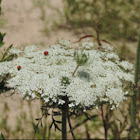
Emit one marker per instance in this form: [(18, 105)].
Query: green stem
[(133, 102), (64, 120), (137, 62)]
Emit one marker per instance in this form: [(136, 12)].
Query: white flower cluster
[(41, 72), (15, 51)]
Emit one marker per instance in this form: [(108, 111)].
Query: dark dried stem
[(84, 121), (64, 120), (71, 130), (98, 36), (104, 122)]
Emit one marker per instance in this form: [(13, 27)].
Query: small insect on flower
[(46, 52), (93, 85), (19, 67)]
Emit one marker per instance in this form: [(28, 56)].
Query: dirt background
[(24, 26)]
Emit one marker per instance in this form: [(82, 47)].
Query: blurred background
[(42, 22)]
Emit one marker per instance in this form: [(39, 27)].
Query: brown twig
[(71, 130), (75, 70), (86, 36), (84, 121), (104, 122), (98, 38), (87, 133), (106, 41)]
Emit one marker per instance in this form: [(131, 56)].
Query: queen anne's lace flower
[(15, 51), (87, 45), (126, 65), (100, 79)]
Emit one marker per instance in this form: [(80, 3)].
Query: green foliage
[(5, 57), (135, 90), (119, 19), (81, 58), (2, 137), (137, 62), (3, 88), (37, 132), (1, 39), (65, 81)]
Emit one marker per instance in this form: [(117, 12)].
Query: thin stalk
[(137, 62), (133, 115), (71, 130), (98, 34), (135, 92), (64, 120), (104, 122), (84, 121), (75, 70)]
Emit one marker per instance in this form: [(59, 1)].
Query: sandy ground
[(24, 25)]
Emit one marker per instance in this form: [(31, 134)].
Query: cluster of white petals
[(15, 51), (101, 78)]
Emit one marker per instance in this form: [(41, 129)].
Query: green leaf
[(37, 133), (38, 136), (3, 35), (0, 10), (2, 137), (1, 38), (65, 81), (2, 86), (6, 52), (8, 58), (80, 58), (1, 44)]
